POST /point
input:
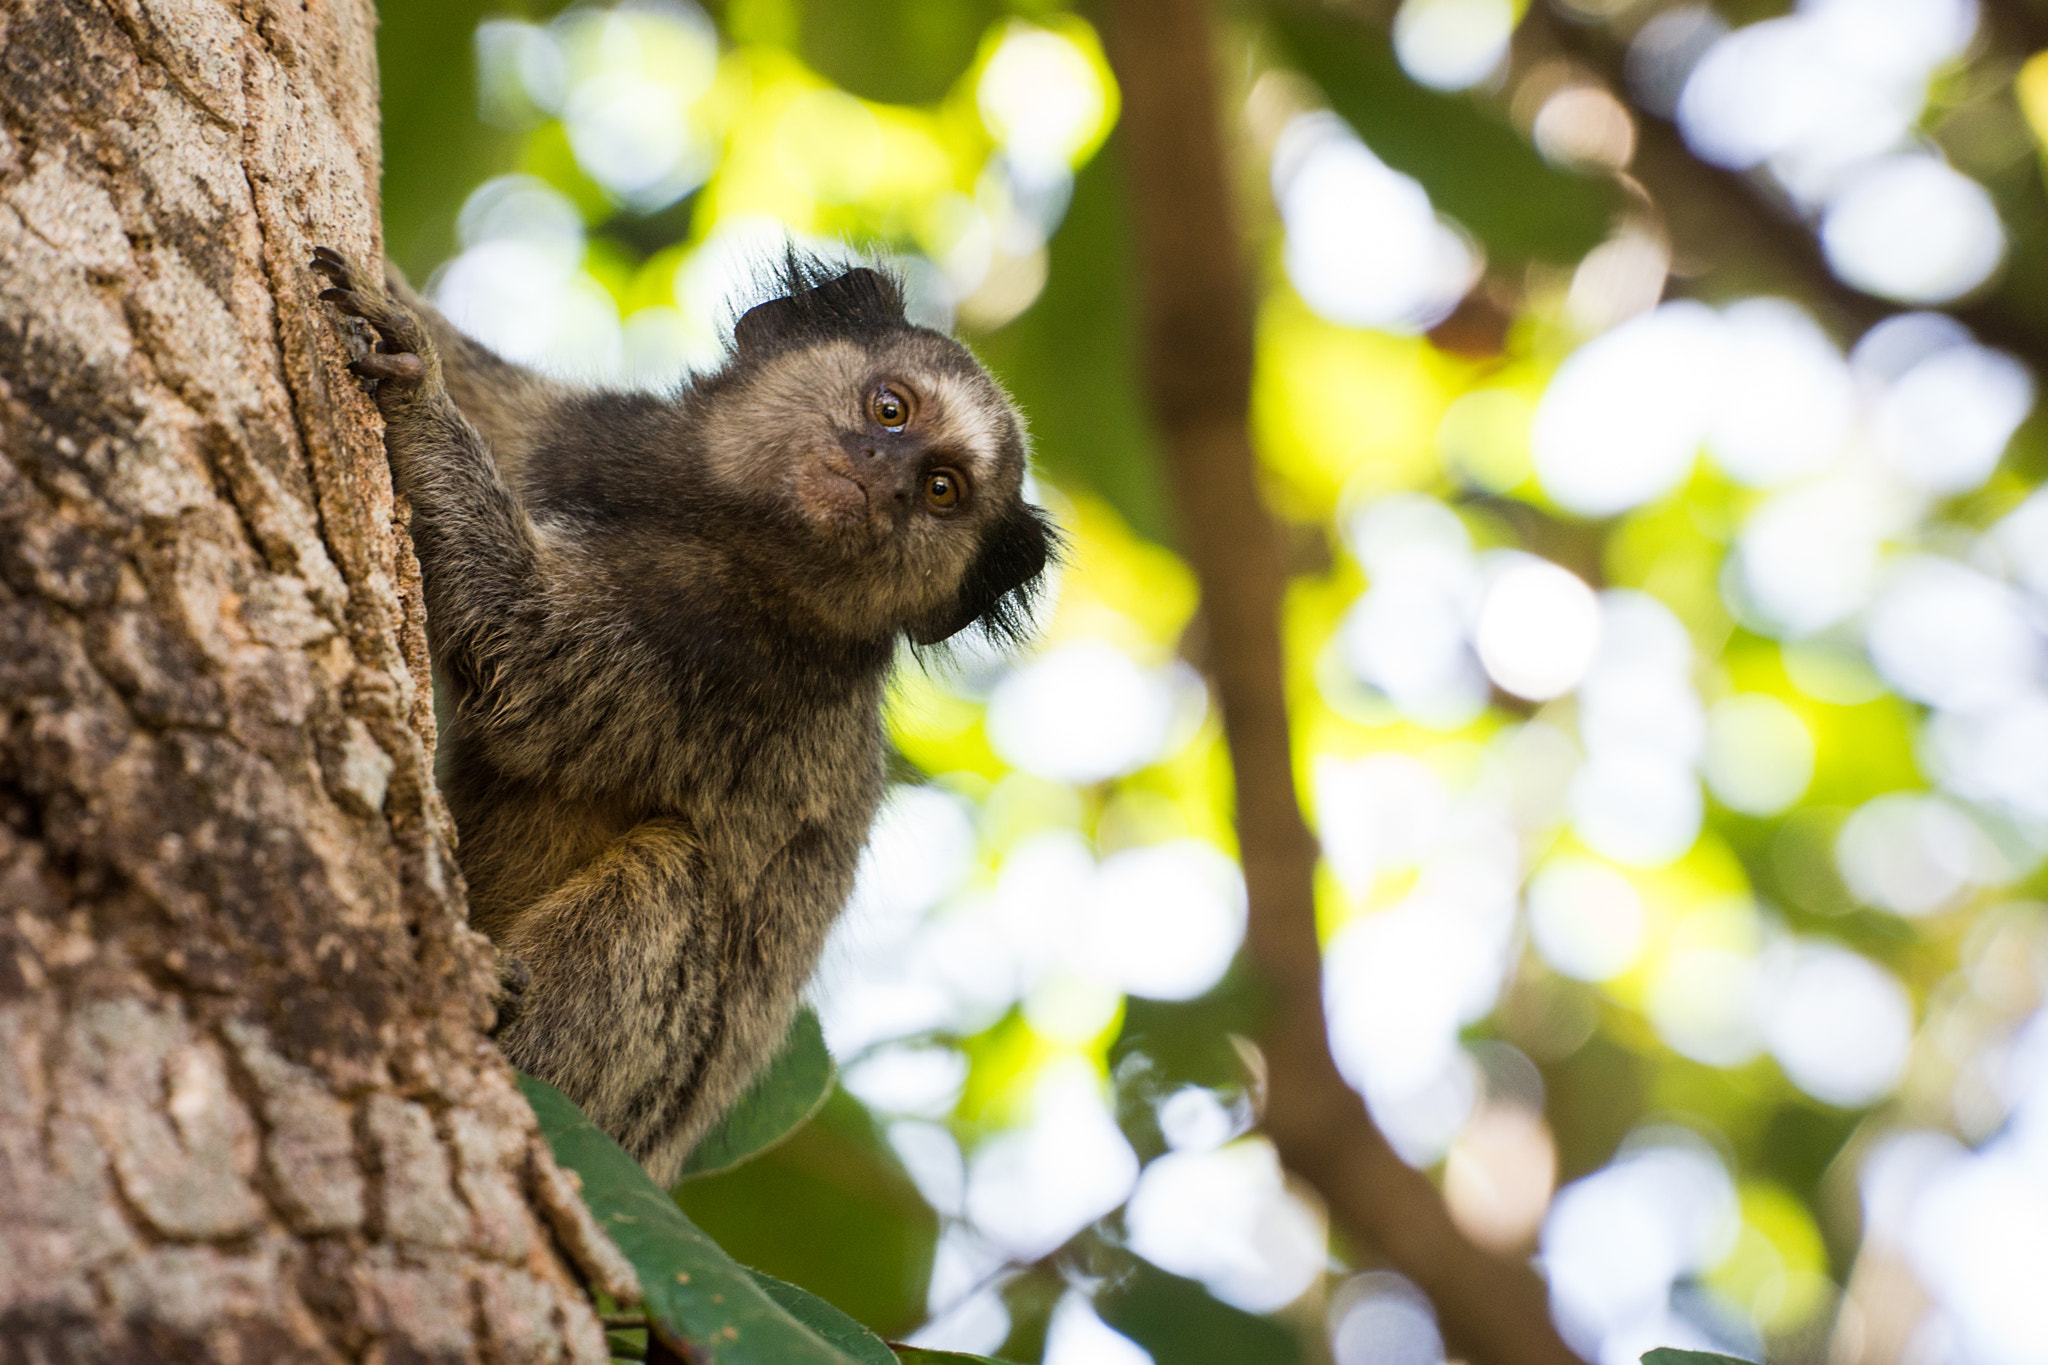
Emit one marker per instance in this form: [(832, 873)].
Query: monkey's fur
[(665, 624)]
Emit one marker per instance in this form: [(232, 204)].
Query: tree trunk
[(247, 1108)]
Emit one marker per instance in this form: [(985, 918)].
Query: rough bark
[(1197, 310), (247, 1108)]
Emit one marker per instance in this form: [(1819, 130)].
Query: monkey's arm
[(506, 402), (479, 550)]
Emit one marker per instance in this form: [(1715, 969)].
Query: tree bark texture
[(248, 1111), (1197, 318)]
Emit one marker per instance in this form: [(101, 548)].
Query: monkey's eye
[(889, 408), (942, 490)]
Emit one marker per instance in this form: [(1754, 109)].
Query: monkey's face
[(881, 445), (898, 464)]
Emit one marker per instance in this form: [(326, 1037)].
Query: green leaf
[(780, 1101), (1475, 167), (695, 1293), (828, 1322), (1671, 1355), (833, 1210), (1177, 1320), (918, 1355)]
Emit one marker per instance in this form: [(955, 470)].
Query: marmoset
[(665, 624)]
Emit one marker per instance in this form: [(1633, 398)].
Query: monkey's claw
[(400, 338), (332, 264)]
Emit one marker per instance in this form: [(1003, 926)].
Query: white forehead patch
[(966, 415)]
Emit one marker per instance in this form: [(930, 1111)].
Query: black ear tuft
[(818, 302), (1001, 583)]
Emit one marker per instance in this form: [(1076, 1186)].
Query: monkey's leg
[(479, 555), (624, 971)]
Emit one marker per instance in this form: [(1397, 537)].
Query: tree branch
[(1729, 217), (1198, 343), (2019, 24)]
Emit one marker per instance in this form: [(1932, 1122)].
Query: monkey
[(665, 624)]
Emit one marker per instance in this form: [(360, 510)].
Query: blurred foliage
[(435, 147), (892, 51), (871, 121), (1176, 1319), (1475, 168), (1071, 359)]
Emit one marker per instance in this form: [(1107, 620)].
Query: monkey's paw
[(513, 978), (402, 344)]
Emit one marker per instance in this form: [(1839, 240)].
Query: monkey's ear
[(771, 326), (861, 300), (998, 587)]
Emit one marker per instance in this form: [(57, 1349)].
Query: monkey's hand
[(476, 546), (403, 361), (514, 978)]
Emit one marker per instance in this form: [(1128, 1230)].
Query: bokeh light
[(635, 77), (1500, 1175), (1082, 713), (1538, 627), (1944, 422), (1839, 1024), (1585, 918), (1364, 246), (1450, 44), (1704, 1003), (1910, 228), (1379, 1318), (519, 286), (1076, 1336), (1623, 419), (1617, 1242), (1046, 97), (1787, 399), (1408, 634), (1032, 1188), (1912, 854), (1225, 1216), (1166, 919), (1808, 557), (1759, 757)]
